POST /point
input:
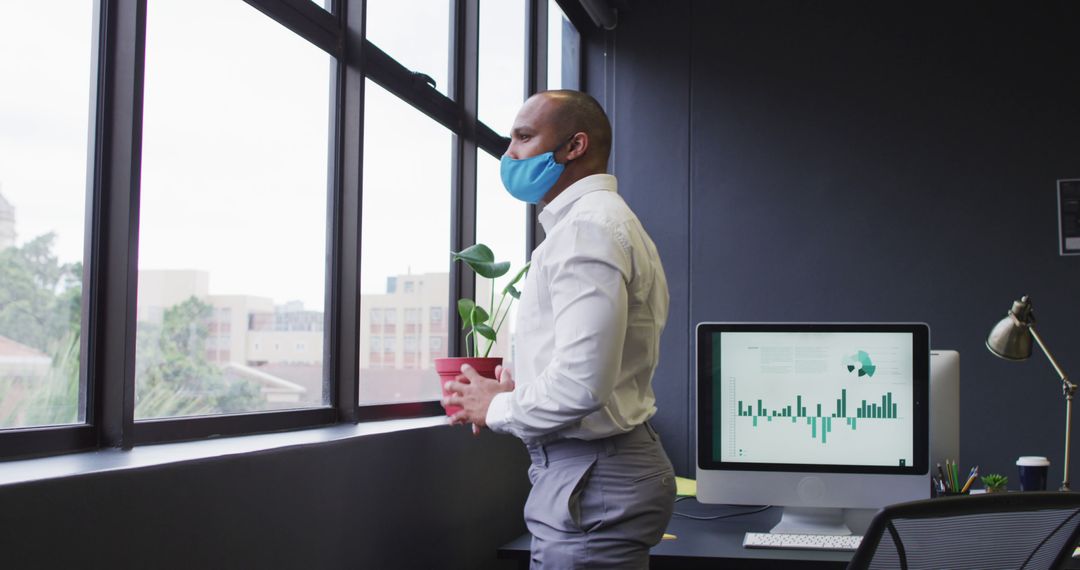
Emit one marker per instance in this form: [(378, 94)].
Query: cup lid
[(1033, 461)]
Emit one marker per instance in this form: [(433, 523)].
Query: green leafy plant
[(474, 318), (994, 482)]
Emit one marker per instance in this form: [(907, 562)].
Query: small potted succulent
[(482, 325), (995, 483)]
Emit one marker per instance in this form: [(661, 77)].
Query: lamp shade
[(1011, 337)]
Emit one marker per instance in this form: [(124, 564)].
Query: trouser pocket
[(555, 500)]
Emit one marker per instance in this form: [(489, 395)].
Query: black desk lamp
[(1011, 339)]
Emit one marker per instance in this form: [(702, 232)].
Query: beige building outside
[(281, 346)]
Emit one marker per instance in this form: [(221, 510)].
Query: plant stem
[(494, 316), (491, 305)]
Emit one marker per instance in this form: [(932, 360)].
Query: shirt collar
[(558, 207)]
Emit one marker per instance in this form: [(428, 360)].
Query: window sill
[(27, 470)]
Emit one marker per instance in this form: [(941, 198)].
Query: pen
[(971, 478), (941, 476)]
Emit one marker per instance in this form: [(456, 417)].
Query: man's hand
[(473, 393)]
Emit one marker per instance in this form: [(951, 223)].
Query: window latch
[(424, 78)]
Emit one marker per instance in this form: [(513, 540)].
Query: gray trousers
[(599, 504)]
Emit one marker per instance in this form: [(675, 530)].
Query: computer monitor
[(821, 419), (944, 407)]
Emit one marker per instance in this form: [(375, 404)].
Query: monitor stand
[(812, 520)]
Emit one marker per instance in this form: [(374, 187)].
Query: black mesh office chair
[(1032, 530)]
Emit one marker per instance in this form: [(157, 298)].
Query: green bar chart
[(821, 424)]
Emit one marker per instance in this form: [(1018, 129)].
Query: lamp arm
[(1053, 361), (1067, 389)]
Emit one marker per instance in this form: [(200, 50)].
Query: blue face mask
[(530, 179)]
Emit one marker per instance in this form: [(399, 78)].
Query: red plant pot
[(450, 368)]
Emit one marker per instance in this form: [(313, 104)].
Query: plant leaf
[(524, 271), (513, 291), (480, 259), (479, 315), (479, 253), (465, 308), (486, 331)]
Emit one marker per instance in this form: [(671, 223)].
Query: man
[(588, 336)]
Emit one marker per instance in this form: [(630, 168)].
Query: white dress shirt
[(589, 322)]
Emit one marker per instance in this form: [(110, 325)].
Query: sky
[(234, 165)]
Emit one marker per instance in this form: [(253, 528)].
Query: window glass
[(415, 33), (233, 212), (501, 61), (500, 223), (564, 50), (405, 236), (45, 94)]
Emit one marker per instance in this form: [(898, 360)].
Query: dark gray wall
[(426, 498), (848, 161)]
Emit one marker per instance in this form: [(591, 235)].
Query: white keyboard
[(802, 541)]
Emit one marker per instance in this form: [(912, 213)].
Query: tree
[(40, 306), (173, 377), (39, 297)]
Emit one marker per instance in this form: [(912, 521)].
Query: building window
[(376, 316), (436, 315), (408, 286), (436, 343)]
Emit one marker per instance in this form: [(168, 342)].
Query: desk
[(718, 544), (713, 544)]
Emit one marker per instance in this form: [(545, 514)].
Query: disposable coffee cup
[(1033, 472)]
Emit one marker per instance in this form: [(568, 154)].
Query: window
[(406, 197), (212, 155), (224, 150), (416, 34), (501, 63), (43, 148), (500, 218), (564, 50)]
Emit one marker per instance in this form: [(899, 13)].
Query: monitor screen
[(827, 420), (837, 397)]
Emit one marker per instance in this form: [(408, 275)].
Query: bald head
[(572, 112)]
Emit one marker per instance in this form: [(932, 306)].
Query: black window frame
[(107, 355)]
